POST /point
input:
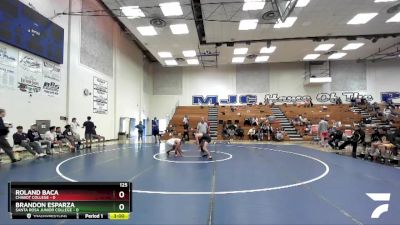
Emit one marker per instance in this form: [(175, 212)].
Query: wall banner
[(100, 96), (8, 64), (30, 77), (51, 79)]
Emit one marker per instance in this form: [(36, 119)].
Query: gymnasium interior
[(190, 112)]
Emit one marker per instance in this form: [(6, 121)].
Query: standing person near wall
[(74, 128), (140, 128), (155, 130), (323, 131), (89, 126), (3, 141)]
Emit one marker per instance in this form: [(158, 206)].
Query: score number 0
[(121, 195)]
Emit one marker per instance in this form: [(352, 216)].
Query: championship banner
[(51, 78), (8, 56), (100, 96), (30, 78), (8, 64)]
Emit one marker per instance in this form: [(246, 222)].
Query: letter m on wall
[(208, 100)]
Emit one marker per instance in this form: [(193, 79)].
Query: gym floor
[(243, 184)]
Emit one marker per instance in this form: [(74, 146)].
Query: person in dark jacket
[(335, 137), (20, 138), (140, 128), (155, 130), (357, 138), (34, 137), (71, 136), (3, 141)]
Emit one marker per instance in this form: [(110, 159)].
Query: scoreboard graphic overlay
[(81, 200)]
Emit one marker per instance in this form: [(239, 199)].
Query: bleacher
[(224, 115), (240, 114), (342, 113), (175, 126)]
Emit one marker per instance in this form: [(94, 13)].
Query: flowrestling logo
[(379, 197)]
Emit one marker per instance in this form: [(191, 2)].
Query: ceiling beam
[(198, 20)]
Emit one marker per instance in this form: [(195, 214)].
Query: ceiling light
[(147, 31), (253, 5), (311, 56), (337, 55), (362, 18), (302, 3), (240, 51), (189, 53), (267, 50), (171, 62), (192, 61), (353, 46), (238, 59), (385, 0), (165, 54), (262, 58), (171, 9), (179, 28), (132, 12), (288, 23), (248, 24), (324, 47), (394, 19)]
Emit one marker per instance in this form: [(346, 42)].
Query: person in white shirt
[(176, 145), (202, 128), (51, 136), (252, 133), (185, 119), (74, 128)]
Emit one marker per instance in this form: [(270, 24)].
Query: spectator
[(353, 101), (225, 134), (62, 138), (252, 133), (20, 138), (186, 131), (357, 138), (88, 125), (271, 119), (140, 128), (387, 113), (335, 137), (71, 137), (323, 130), (98, 137), (296, 121), (74, 128), (185, 119), (260, 134), (155, 130), (338, 101), (3, 138), (239, 133), (51, 136), (279, 135), (35, 137)]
